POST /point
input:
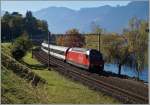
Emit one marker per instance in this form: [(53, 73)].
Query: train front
[(96, 60)]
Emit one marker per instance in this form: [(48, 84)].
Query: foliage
[(60, 41), (30, 23), (137, 38), (14, 24), (21, 46), (18, 53), (134, 38), (119, 54), (5, 31), (74, 38), (107, 40)]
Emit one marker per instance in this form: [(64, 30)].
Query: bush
[(21, 46), (18, 53)]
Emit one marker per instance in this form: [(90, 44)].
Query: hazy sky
[(23, 6)]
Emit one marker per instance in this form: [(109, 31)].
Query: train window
[(55, 51), (45, 48)]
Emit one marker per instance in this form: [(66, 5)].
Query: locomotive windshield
[(95, 55)]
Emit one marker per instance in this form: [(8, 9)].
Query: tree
[(60, 41), (18, 52), (42, 28), (119, 54), (5, 31), (30, 23), (74, 39), (7, 16), (137, 38), (21, 46), (14, 24), (107, 41)]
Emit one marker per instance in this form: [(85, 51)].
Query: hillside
[(17, 90), (113, 19)]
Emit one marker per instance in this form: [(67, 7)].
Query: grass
[(15, 90), (62, 90), (6, 48)]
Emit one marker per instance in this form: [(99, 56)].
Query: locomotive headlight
[(88, 52)]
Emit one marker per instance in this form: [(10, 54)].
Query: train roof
[(61, 48), (80, 49)]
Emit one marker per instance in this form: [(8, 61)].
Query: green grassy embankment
[(6, 47), (15, 90)]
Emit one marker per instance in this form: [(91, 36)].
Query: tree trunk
[(138, 77), (119, 69)]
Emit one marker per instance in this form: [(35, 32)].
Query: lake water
[(127, 71)]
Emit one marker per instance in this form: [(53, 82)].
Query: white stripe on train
[(61, 48), (54, 54)]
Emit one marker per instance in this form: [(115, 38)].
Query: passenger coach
[(56, 51)]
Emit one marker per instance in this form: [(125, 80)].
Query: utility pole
[(49, 50), (99, 40)]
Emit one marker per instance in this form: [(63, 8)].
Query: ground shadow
[(35, 66), (108, 73)]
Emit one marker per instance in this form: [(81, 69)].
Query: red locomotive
[(84, 58)]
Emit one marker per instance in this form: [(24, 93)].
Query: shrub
[(21, 46), (18, 53)]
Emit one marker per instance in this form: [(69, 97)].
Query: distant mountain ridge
[(113, 19)]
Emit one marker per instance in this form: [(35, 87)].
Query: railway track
[(99, 83)]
